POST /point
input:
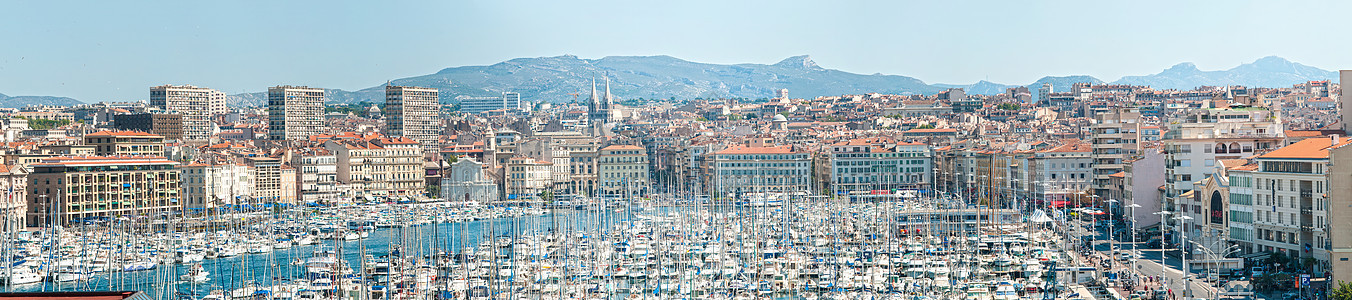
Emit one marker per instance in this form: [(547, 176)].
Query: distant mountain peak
[(1272, 59), (1269, 71), (801, 61), (1183, 67), (1273, 63)]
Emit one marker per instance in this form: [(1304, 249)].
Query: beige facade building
[(215, 185), (1340, 193), (14, 203), (527, 178), (295, 112), (623, 171), (193, 103), (267, 180), (412, 112), (1115, 135), (316, 175), (108, 143), (67, 189), (379, 166), (740, 170)]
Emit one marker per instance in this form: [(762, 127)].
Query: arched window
[(1217, 215)]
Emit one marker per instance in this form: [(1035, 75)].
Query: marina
[(911, 246)]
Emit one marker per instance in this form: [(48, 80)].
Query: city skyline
[(96, 53)]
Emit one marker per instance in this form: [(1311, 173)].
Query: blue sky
[(114, 51)]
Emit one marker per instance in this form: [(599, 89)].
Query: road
[(1149, 262)]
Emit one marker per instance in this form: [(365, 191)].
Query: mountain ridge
[(564, 78)]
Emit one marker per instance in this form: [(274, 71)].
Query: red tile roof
[(118, 133)]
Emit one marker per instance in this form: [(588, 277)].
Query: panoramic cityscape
[(624, 151)]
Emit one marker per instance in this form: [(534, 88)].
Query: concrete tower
[(1344, 80)]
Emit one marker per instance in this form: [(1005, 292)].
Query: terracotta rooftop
[(1312, 148), (117, 133), (622, 147), (1071, 147), (757, 150)]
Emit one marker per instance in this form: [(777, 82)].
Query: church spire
[(608, 100), (591, 101)]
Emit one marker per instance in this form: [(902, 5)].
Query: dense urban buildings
[(1254, 172)]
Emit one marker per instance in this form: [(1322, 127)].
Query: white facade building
[(863, 165), (739, 170)]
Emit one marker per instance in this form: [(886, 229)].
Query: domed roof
[(780, 118)]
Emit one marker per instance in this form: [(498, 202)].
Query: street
[(1147, 264)]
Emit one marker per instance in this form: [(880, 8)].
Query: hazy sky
[(115, 50)]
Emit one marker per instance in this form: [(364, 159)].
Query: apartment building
[(1141, 186), (316, 175), (1060, 173), (111, 143), (582, 171), (168, 125), (1115, 136), (739, 170), (215, 185), (193, 103), (623, 171), (378, 166), (14, 203), (266, 173), (69, 189), (527, 178), (1193, 147), (1340, 192), (865, 165), (295, 112), (413, 112), (1281, 202)]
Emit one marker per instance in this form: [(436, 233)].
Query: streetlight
[(1112, 234), (1215, 260), (1133, 207), (1163, 230), (1183, 253)]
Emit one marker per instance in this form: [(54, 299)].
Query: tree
[(1008, 106), (433, 191), (35, 123), (1342, 292), (750, 116), (925, 126)]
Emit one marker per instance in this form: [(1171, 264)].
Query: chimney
[(1335, 140)]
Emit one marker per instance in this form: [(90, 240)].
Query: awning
[(1058, 203), (1039, 217)]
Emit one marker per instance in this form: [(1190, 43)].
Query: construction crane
[(575, 95)]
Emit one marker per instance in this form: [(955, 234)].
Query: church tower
[(599, 110)]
